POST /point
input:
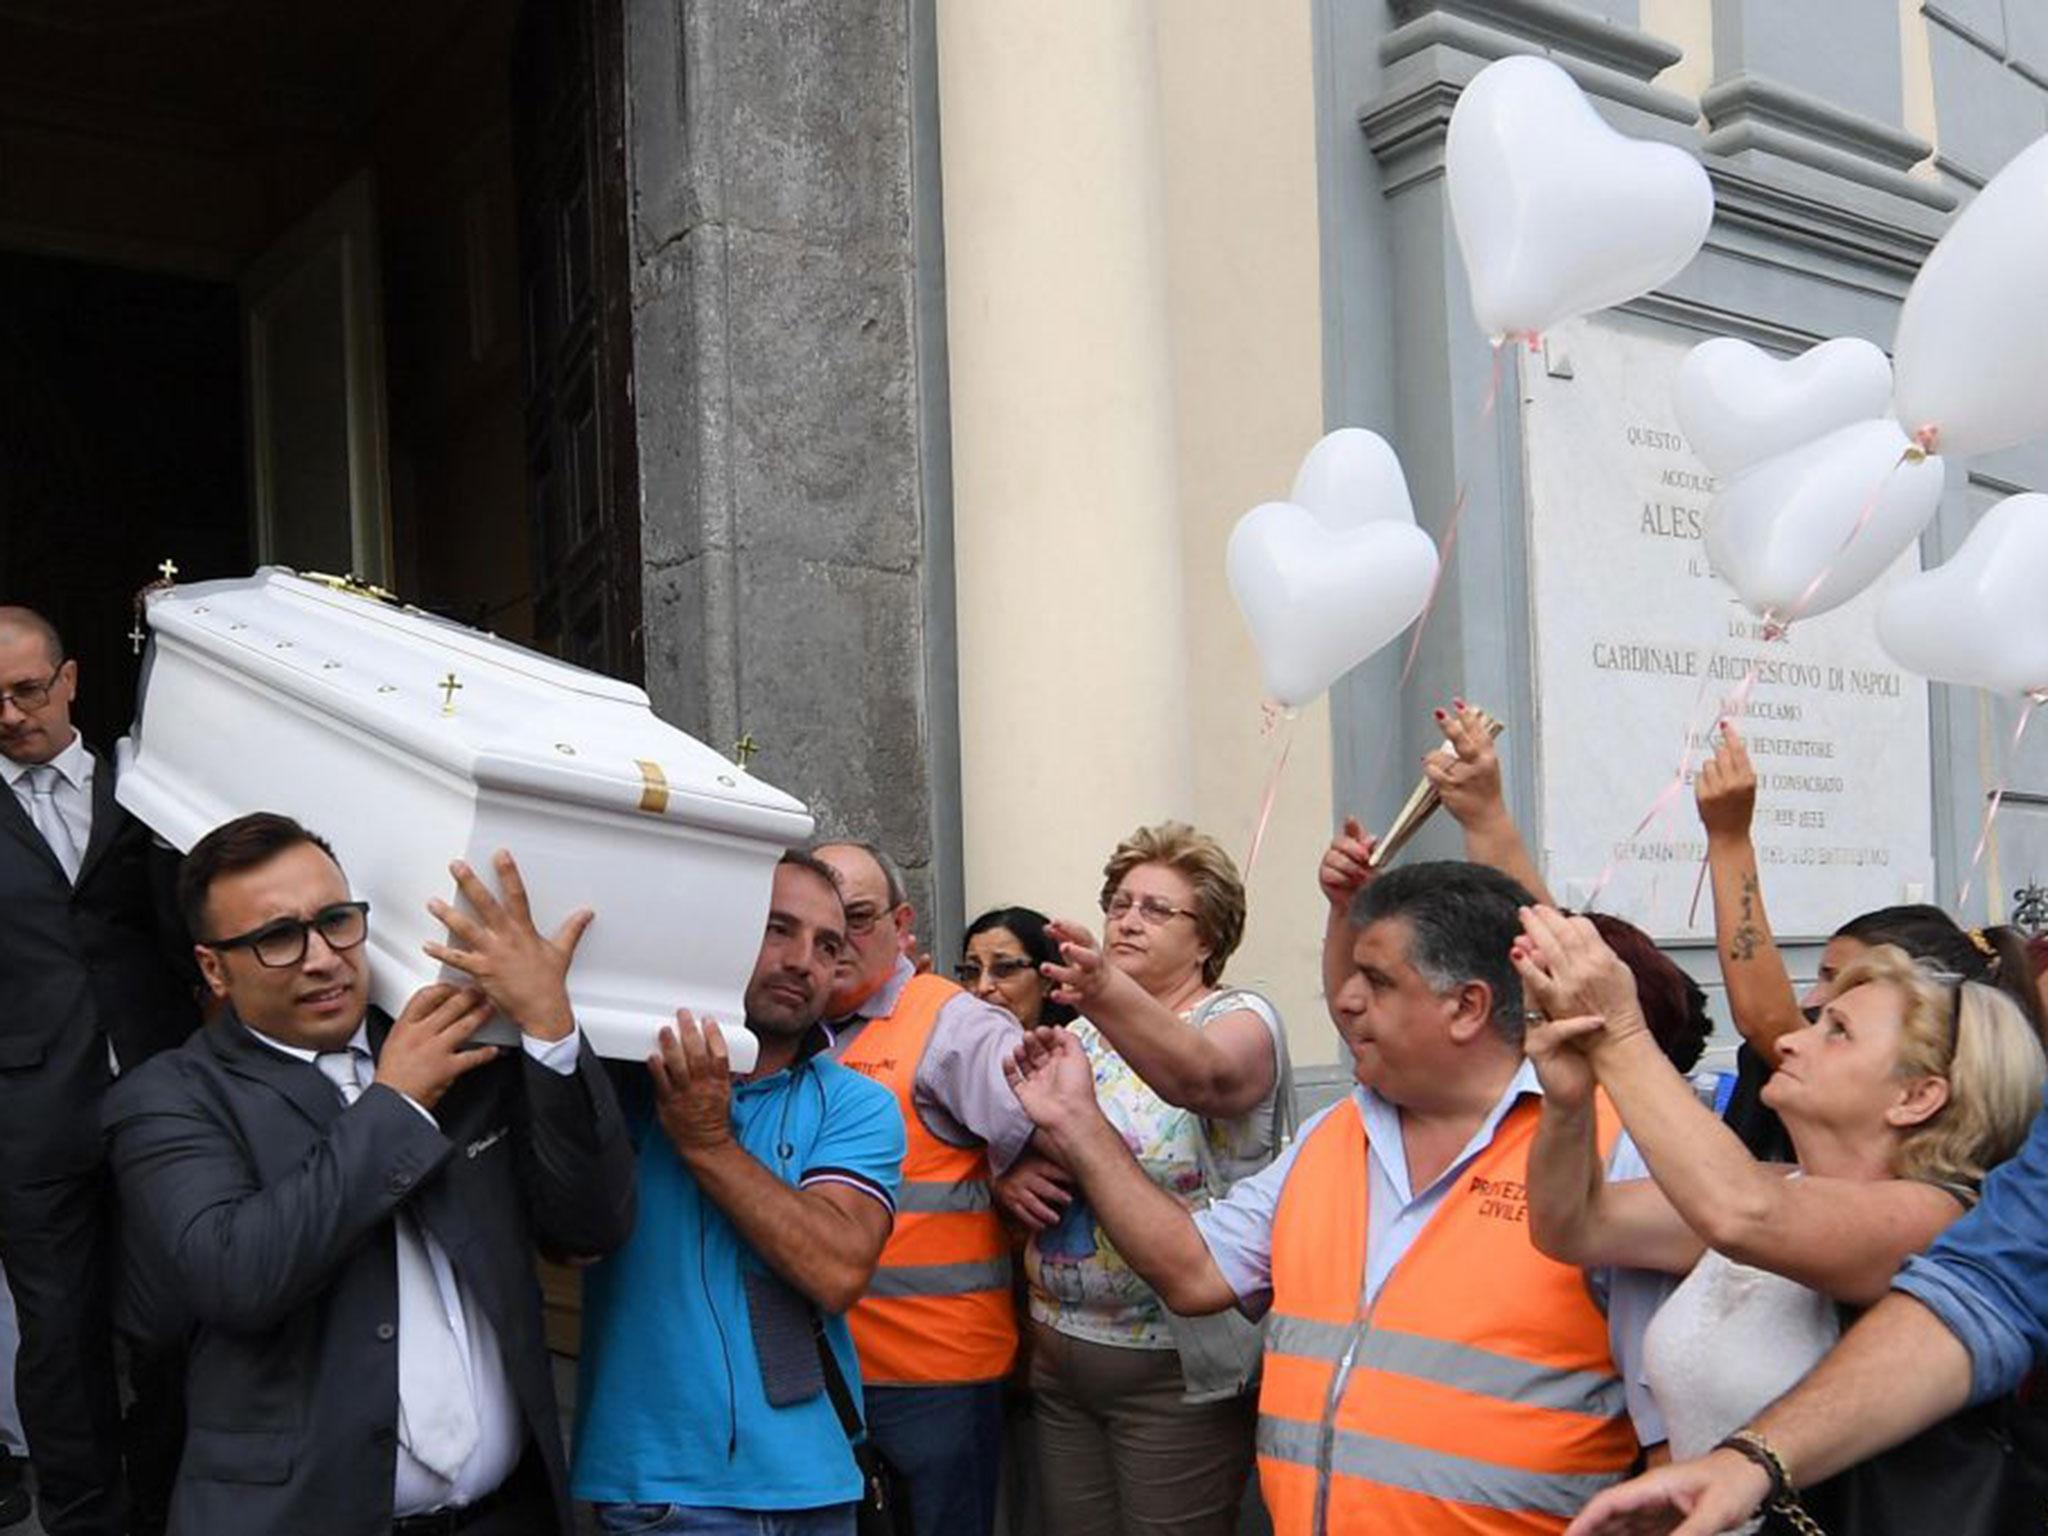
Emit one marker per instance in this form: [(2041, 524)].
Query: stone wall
[(1841, 140), (781, 405)]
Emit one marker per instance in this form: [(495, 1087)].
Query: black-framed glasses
[(283, 943), (31, 696), (1157, 911), (1003, 968)]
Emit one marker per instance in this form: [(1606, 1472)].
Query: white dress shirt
[(73, 794), (501, 1433)]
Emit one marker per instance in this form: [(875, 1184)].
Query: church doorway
[(339, 287)]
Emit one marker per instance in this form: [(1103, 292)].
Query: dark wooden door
[(120, 446), (568, 102)]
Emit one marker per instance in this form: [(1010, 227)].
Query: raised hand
[(1468, 776), (497, 946), (428, 1047), (1080, 974), (1347, 866), (1719, 1492), (1034, 1192), (692, 1086), (1557, 1049), (1053, 1080), (1568, 972), (1726, 788)]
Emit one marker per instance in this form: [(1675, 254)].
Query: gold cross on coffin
[(169, 571), (744, 750), (449, 688)]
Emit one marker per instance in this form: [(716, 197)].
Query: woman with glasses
[(1004, 951), (1146, 1420), (1907, 1088)]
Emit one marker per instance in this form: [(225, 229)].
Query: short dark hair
[(1464, 918), (796, 858), (233, 846), (1027, 925)]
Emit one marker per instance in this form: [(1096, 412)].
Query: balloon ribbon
[(1997, 796), (1280, 720), (1502, 350)]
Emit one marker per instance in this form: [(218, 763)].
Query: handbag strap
[(1284, 1119), (835, 1385)]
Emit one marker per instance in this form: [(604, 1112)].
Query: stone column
[(779, 382), (1073, 680)]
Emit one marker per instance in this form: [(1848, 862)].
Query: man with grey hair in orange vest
[(1426, 1368), (937, 1330)]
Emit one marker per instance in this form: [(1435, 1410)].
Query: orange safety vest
[(939, 1309), (1476, 1394)]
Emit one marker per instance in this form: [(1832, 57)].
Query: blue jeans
[(948, 1444), (680, 1520)]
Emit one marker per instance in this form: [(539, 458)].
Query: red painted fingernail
[(1440, 714)]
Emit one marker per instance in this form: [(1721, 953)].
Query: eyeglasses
[(1003, 967), (283, 943), (863, 919), (31, 696), (1157, 911)]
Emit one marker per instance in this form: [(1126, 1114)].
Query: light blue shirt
[(1986, 1277), (674, 1405), (1239, 1231)]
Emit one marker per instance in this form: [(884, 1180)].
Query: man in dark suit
[(87, 946), (347, 1207)]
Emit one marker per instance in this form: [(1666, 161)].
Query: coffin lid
[(516, 720)]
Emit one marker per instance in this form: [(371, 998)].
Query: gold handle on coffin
[(352, 584), (653, 787)]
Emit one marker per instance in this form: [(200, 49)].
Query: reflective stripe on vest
[(1452, 1365), (1476, 1394), (923, 1199), (942, 1279), (1434, 1474), (939, 1308)]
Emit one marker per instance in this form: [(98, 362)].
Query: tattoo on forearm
[(1743, 942)]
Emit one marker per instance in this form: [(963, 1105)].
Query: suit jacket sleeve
[(244, 1255), (579, 1161)]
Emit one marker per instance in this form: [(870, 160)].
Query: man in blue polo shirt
[(764, 1204)]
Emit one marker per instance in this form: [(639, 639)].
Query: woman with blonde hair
[(1145, 1420), (1906, 1089)]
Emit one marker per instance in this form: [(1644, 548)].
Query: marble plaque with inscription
[(1639, 648)]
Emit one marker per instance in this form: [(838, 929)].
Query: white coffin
[(275, 692)]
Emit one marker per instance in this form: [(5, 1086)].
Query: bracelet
[(1752, 1446)]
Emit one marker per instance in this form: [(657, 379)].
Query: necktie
[(437, 1419), (43, 780)]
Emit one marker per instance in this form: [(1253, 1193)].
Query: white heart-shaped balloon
[(1558, 214), (1806, 531), (1738, 405), (1978, 618), (1352, 477), (1971, 354), (1319, 600)]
